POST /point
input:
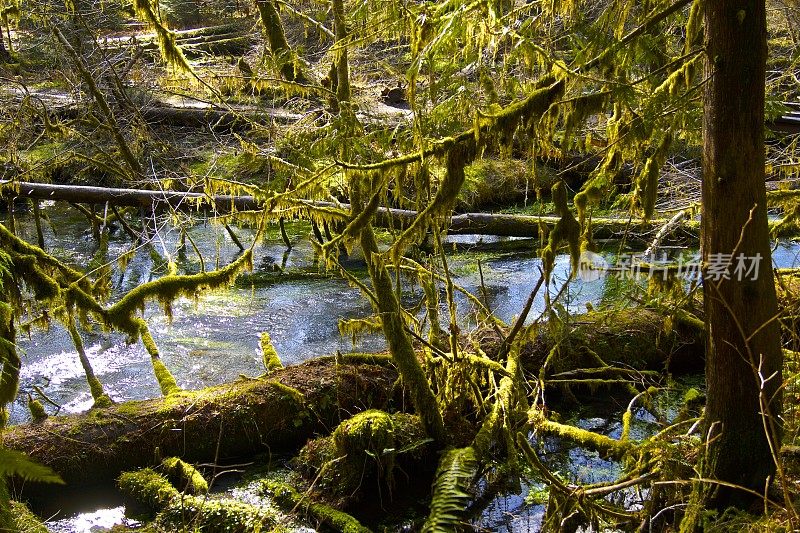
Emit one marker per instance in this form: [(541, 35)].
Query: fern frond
[(457, 468), (13, 463)]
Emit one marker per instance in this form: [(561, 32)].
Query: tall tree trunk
[(278, 44), (5, 57), (741, 415), (342, 62)]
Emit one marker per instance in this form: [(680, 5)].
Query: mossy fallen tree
[(503, 225), (605, 347), (229, 421), (214, 118)]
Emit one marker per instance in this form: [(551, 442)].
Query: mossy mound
[(367, 458), (370, 432)]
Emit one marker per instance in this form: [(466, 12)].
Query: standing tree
[(744, 357)]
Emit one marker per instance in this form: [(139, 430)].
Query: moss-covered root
[(9, 358), (166, 381), (25, 521), (101, 399), (269, 355), (184, 475), (289, 500), (191, 513)]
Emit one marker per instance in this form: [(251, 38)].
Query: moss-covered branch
[(291, 501)]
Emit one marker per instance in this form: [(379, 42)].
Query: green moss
[(370, 431), (567, 229), (289, 500), (25, 521), (269, 355), (184, 475), (164, 377), (589, 439), (196, 513), (192, 512), (102, 401), (38, 414), (149, 488)]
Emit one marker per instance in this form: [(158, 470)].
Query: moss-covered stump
[(323, 517), (369, 459), (175, 511), (224, 422)]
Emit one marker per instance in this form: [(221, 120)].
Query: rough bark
[(743, 337), (216, 424)]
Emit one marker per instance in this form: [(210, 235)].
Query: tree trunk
[(743, 338), (278, 44), (5, 57)]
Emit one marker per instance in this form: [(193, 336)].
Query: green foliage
[(457, 469), (25, 521), (17, 464)]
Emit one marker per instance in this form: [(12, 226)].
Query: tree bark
[(741, 416), (278, 44)]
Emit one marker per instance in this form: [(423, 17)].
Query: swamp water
[(216, 339)]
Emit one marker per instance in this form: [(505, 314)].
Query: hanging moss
[(291, 501), (646, 189), (458, 157), (173, 56), (279, 46), (269, 356), (182, 474)]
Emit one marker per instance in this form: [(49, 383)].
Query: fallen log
[(235, 420), (503, 225), (213, 118)]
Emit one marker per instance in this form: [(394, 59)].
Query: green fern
[(13, 463), (457, 468)]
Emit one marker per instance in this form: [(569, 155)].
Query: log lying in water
[(228, 421), (502, 225)]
